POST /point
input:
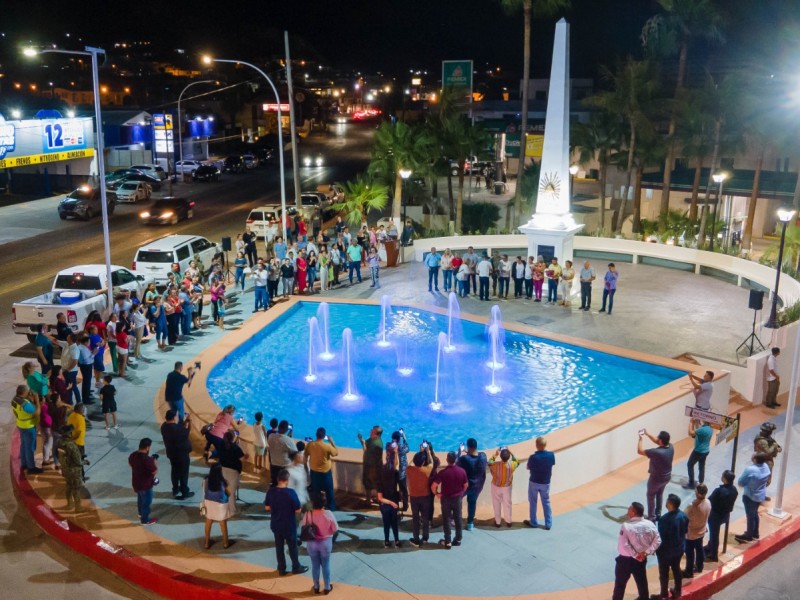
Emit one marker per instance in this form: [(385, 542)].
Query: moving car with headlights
[(133, 191), (315, 160), (234, 164), (76, 292), (206, 173), (85, 202), (154, 261), (167, 211)]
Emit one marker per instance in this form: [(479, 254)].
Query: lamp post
[(101, 163), (180, 123), (208, 60), (404, 174), (573, 170), (720, 179), (784, 215)]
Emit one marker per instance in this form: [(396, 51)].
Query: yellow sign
[(38, 159), (534, 145)]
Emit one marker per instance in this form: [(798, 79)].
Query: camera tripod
[(751, 339)]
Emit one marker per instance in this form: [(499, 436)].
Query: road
[(32, 565), (29, 264)]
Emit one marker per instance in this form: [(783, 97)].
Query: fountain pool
[(542, 386)]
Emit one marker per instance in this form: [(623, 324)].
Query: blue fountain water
[(542, 385)]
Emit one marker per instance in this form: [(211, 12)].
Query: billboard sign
[(59, 135), (457, 76), (8, 137)]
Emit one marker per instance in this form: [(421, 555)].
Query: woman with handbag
[(318, 530), (215, 506)]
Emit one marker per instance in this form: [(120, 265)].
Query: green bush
[(479, 217)]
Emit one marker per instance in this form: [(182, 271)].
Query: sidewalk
[(574, 559)]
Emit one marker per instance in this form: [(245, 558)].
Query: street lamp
[(784, 216), (208, 60), (101, 162), (180, 123), (573, 170), (720, 179), (404, 174)]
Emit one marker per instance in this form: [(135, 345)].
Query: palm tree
[(361, 196), (650, 152), (541, 8), (634, 87), (598, 139), (397, 147), (667, 34), (695, 137)]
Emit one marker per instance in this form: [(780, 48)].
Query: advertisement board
[(457, 76), (40, 141)]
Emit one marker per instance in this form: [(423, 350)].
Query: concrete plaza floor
[(574, 559)]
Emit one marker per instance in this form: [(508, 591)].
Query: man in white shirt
[(703, 389), (69, 363), (773, 379), (638, 539), (484, 270)]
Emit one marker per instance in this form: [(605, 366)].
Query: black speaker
[(756, 299), (226, 246)]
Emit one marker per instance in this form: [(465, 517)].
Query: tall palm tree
[(361, 196), (598, 140), (397, 147), (695, 137), (670, 33), (650, 152), (634, 89), (539, 8)]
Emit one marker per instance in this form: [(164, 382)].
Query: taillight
[(133, 266), (249, 221), (13, 313), (72, 316), (191, 203)]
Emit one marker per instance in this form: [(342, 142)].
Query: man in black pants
[(638, 539), (672, 527), (178, 447), (85, 364), (518, 275), (249, 239)]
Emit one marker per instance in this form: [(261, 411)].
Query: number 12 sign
[(63, 134)]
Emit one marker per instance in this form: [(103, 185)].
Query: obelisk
[(551, 229)]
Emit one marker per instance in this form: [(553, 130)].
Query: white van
[(154, 261), (259, 218)]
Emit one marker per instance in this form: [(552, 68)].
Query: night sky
[(388, 35)]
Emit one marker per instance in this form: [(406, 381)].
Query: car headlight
[(319, 161), (167, 214), (144, 215), (307, 161)]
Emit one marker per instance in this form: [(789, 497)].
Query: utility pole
[(292, 128)]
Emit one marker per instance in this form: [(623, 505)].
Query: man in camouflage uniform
[(71, 465), (766, 444)]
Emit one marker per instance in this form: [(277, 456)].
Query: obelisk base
[(551, 235)]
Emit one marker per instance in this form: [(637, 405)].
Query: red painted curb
[(139, 571)]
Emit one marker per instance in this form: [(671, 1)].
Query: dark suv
[(234, 164), (84, 203)]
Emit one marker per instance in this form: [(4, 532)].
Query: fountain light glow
[(383, 342), (323, 316)]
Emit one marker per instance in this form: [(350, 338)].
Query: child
[(374, 266), (107, 393), (259, 440)]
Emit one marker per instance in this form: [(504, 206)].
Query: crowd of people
[(491, 276)]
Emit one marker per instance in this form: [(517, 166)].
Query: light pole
[(101, 162), (180, 123), (720, 179), (208, 60), (573, 170), (404, 174), (784, 215)]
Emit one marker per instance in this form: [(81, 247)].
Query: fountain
[(494, 364), (323, 318), (385, 308), (496, 335), (403, 363), (313, 329), (453, 316), (436, 405), (347, 342), (496, 318)]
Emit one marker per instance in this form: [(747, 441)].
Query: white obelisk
[(551, 229)]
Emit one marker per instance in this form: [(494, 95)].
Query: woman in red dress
[(301, 269)]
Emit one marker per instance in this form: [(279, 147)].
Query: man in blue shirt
[(672, 527), (754, 479), (354, 260), (540, 464), (609, 287), (282, 503), (432, 261), (701, 432), (279, 248), (474, 464), (173, 390), (186, 311)]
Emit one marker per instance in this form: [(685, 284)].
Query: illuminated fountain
[(436, 405), (347, 343), (453, 316), (323, 317), (386, 306), (494, 364), (313, 334)]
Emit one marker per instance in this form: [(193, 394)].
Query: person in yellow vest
[(502, 476), (78, 421), (26, 408)]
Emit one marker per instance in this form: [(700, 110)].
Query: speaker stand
[(751, 339)]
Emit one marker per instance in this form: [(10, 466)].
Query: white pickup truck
[(76, 292)]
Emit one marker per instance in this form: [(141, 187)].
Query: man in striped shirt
[(502, 476)]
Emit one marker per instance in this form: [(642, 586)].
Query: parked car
[(119, 175), (133, 191), (206, 173), (265, 155), (333, 192), (234, 164), (313, 161), (250, 160), (187, 166), (76, 292), (167, 210), (85, 202), (136, 175), (260, 218), (154, 261), (153, 170), (315, 202)]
